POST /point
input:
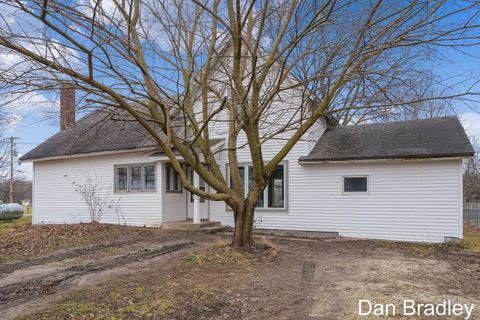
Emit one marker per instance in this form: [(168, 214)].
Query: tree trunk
[(243, 231)]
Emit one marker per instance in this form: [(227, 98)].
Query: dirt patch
[(47, 285), (32, 283), (9, 267), (206, 279)]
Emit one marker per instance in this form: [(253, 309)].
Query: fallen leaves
[(32, 240)]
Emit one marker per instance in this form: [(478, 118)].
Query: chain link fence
[(471, 214)]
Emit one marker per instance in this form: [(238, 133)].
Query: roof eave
[(86, 154), (457, 156)]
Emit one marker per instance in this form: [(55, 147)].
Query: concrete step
[(209, 224), (215, 229), (188, 225)]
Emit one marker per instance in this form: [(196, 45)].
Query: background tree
[(471, 175), (180, 68), (22, 190)]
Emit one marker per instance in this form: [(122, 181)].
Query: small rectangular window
[(355, 184), (172, 179)]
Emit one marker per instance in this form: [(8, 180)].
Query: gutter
[(110, 152), (88, 154), (392, 159)]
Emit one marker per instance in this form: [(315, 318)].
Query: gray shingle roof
[(98, 131), (427, 138)]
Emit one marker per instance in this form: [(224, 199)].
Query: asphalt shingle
[(98, 131), (426, 138)]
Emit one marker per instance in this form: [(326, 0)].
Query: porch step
[(188, 225), (215, 229)]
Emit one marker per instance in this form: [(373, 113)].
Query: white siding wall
[(407, 200), (174, 204), (56, 201)]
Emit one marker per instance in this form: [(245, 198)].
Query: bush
[(10, 211)]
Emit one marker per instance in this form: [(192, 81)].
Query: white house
[(398, 181)]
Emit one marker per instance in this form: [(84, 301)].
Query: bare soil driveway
[(141, 273)]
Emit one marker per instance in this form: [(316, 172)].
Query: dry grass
[(471, 241), (416, 249), (16, 225), (130, 302), (221, 252)]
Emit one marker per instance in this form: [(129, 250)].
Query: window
[(172, 179), (122, 179), (149, 177), (276, 188), (355, 184), (274, 195), (260, 201), (135, 177)]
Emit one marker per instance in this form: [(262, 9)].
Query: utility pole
[(12, 153)]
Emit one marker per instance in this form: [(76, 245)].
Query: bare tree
[(22, 190), (96, 198), (471, 175), (262, 70), (5, 119), (416, 98)]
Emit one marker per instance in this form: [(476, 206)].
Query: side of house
[(398, 181), (410, 200), (57, 195)]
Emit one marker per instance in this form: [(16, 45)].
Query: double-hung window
[(275, 193), (135, 177), (172, 179)]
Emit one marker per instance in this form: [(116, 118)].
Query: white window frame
[(142, 177), (355, 192), (174, 175), (265, 191)]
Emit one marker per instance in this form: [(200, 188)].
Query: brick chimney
[(67, 107)]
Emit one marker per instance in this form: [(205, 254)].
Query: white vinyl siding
[(56, 201), (174, 206), (416, 200)]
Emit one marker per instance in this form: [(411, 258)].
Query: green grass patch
[(471, 241), (22, 223)]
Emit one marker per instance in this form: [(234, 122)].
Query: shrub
[(11, 211)]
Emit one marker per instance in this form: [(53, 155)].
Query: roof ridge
[(399, 121)]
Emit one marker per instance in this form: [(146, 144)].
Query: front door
[(203, 202)]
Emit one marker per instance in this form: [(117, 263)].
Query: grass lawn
[(471, 241), (24, 221)]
